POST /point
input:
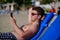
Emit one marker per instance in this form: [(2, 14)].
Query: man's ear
[(42, 17), (39, 17)]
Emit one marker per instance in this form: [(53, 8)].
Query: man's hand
[(30, 10), (15, 26), (12, 21), (29, 15)]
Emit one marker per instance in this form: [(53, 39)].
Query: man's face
[(34, 15)]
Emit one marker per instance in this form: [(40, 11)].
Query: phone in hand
[(11, 14)]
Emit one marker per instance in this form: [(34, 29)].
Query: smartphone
[(11, 14)]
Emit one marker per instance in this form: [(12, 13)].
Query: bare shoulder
[(26, 27), (31, 27), (29, 30)]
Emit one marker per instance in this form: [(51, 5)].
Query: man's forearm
[(17, 29), (15, 26)]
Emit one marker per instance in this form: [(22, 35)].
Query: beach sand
[(5, 25)]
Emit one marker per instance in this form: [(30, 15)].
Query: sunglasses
[(34, 14)]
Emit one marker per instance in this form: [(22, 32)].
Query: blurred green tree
[(1, 1), (45, 1), (59, 0), (9, 1), (19, 2), (26, 2)]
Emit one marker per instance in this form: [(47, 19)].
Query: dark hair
[(58, 11), (39, 10), (58, 7)]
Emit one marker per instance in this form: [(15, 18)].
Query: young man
[(29, 30)]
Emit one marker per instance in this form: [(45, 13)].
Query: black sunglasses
[(34, 14)]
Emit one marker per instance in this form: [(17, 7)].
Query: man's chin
[(33, 20)]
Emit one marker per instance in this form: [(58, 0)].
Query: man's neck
[(35, 22)]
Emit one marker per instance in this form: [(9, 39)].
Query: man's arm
[(29, 15), (15, 26), (25, 32)]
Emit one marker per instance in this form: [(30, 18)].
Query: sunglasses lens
[(34, 14)]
